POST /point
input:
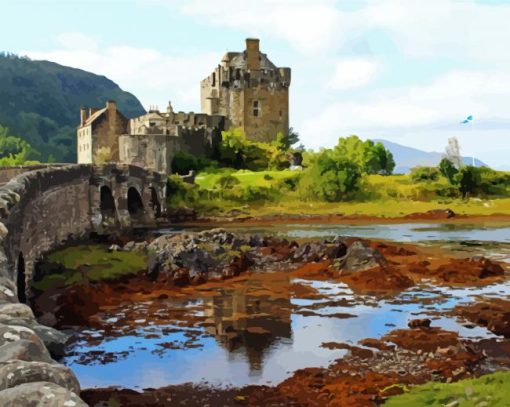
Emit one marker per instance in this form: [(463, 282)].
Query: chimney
[(83, 116), (111, 105), (253, 53)]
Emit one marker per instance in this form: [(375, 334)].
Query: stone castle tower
[(250, 91)]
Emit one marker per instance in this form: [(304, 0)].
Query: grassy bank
[(77, 264), (489, 390), (266, 193)]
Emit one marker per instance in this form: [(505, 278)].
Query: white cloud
[(445, 101), (152, 76), (353, 73), (420, 27), (73, 40), (309, 27)]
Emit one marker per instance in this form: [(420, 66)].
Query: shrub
[(226, 182), (179, 192), (423, 174)]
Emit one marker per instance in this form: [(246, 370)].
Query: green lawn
[(91, 263), (245, 177), (490, 390), (385, 196)]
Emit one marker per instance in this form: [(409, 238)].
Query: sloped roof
[(239, 61), (94, 116)]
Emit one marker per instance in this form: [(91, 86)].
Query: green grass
[(489, 390), (91, 263), (383, 196), (245, 177)]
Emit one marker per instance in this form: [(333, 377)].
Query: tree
[(329, 178), (469, 179), (14, 150), (285, 142), (184, 162), (370, 157), (448, 170), (231, 147)]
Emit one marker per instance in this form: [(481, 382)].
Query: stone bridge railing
[(40, 210)]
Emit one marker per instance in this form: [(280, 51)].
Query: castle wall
[(272, 113), (154, 152), (84, 145), (105, 134)]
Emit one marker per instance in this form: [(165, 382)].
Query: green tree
[(285, 142), (448, 170), (14, 150), (230, 153), (183, 162), (469, 179), (330, 178), (370, 157)]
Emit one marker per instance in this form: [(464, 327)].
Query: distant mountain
[(40, 101), (408, 157)]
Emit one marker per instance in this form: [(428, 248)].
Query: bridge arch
[(154, 202), (21, 282), (107, 205), (135, 203)]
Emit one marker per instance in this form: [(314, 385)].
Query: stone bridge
[(42, 208)]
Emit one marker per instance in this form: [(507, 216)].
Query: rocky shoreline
[(370, 372)]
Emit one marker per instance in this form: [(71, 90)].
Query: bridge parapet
[(44, 208)]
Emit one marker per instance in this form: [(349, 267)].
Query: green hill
[(40, 101)]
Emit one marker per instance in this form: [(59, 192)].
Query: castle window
[(214, 79), (256, 108)]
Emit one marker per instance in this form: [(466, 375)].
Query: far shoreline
[(352, 219)]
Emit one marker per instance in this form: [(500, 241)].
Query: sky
[(408, 71)]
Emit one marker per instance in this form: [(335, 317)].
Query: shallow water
[(246, 336)]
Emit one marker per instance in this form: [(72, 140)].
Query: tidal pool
[(260, 331)]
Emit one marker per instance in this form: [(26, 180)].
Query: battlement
[(250, 91)]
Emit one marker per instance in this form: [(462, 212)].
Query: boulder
[(360, 257), (12, 333), (419, 323), (18, 372), (54, 340), (31, 349), (7, 290), (16, 311), (37, 394)]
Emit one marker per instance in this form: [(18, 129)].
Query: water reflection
[(253, 324), (260, 330)]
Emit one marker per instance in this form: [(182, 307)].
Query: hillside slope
[(40, 101), (408, 157)]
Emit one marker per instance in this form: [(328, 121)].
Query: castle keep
[(251, 91), (246, 90)]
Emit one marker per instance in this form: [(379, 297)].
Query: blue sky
[(405, 70)]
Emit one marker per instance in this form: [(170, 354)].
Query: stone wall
[(41, 210), (7, 173)]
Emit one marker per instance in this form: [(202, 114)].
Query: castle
[(245, 90)]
